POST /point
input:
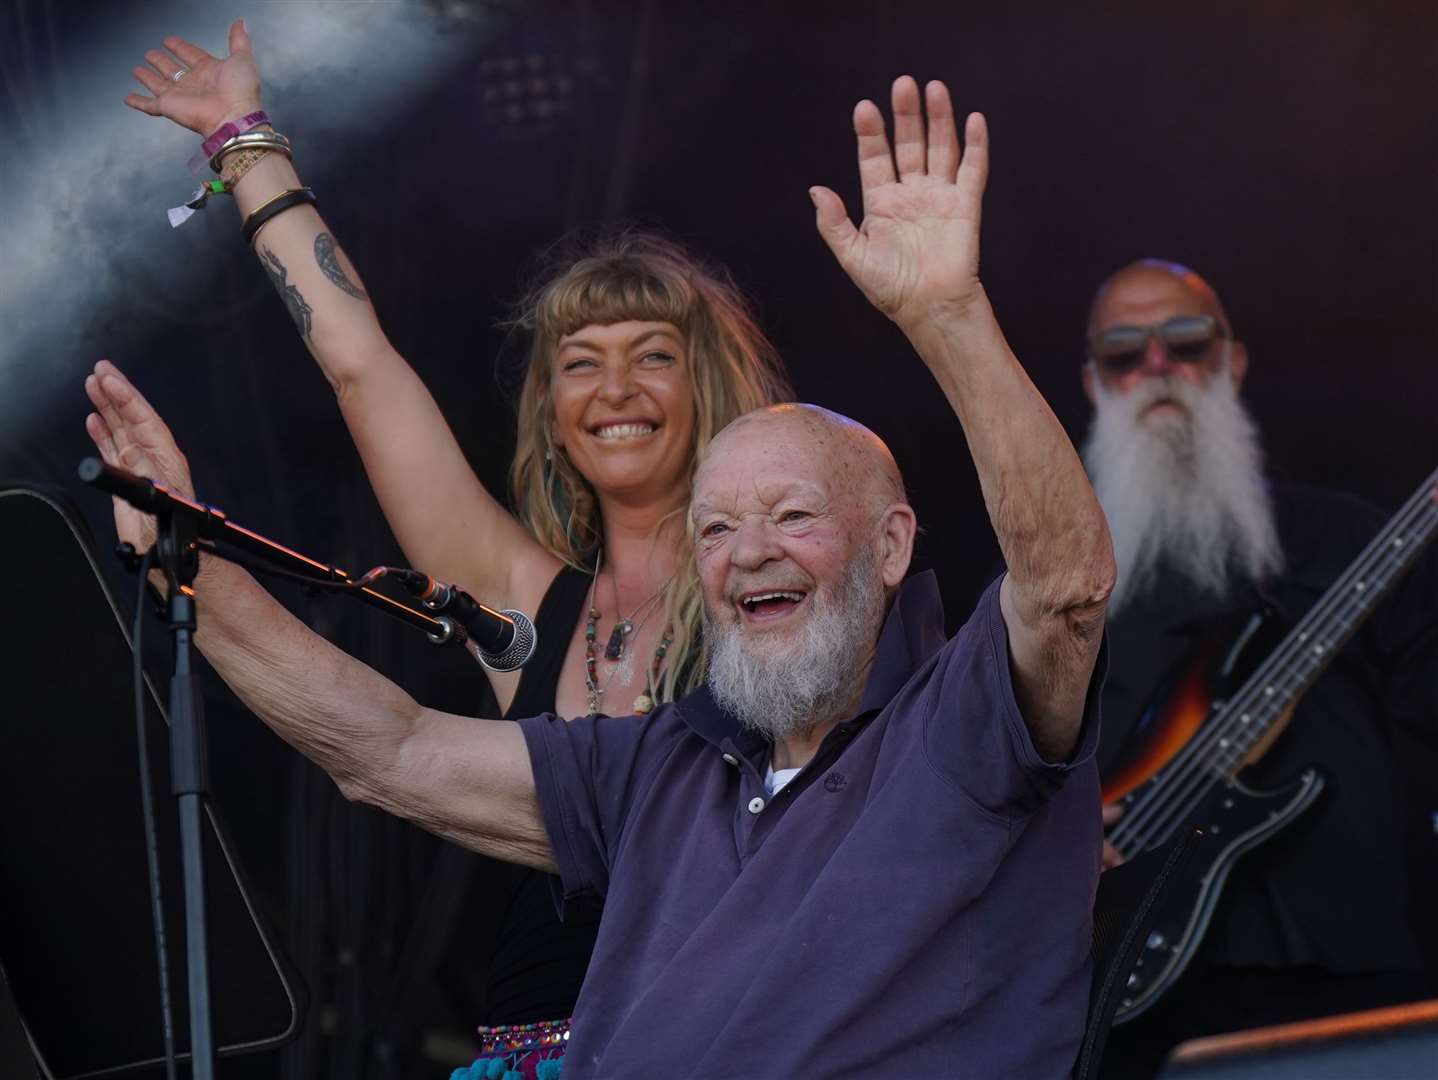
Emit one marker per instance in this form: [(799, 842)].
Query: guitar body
[(1235, 819), (1184, 762), (1188, 696)]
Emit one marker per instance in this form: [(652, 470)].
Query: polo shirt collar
[(913, 631)]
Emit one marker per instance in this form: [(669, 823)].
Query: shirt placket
[(757, 813)]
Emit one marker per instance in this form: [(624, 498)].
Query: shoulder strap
[(559, 612)]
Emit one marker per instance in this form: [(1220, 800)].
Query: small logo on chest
[(835, 782)]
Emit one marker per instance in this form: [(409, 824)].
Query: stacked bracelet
[(228, 130), (270, 140), (241, 162), (260, 215)]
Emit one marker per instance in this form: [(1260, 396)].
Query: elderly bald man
[(859, 847)]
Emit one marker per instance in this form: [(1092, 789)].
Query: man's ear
[(1237, 362), (897, 538), (1086, 377)]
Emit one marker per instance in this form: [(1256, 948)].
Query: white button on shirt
[(756, 804)]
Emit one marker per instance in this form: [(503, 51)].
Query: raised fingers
[(152, 82), (163, 62), (100, 398), (921, 145), (187, 52), (107, 427), (137, 415), (974, 169), (103, 438), (147, 105), (833, 222), (876, 164), (943, 147), (908, 127)]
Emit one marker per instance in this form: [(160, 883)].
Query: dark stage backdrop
[(1284, 149)]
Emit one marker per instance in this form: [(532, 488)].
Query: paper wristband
[(180, 214), (228, 130)]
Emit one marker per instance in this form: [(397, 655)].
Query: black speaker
[(76, 940)]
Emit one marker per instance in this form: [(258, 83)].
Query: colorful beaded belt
[(519, 1052)]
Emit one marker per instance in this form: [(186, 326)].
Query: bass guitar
[(1189, 774)]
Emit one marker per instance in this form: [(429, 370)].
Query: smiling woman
[(638, 354)]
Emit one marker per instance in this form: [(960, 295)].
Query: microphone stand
[(183, 523)]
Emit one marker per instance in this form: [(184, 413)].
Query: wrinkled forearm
[(1045, 515), (341, 714), (1048, 522), (468, 780)]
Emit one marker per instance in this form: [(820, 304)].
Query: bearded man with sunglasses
[(1315, 922)]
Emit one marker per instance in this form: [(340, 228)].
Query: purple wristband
[(221, 135)]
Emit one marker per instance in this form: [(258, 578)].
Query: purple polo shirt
[(914, 903)]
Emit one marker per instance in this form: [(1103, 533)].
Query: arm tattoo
[(300, 311), (327, 254)]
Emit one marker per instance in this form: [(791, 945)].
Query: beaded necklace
[(614, 649)]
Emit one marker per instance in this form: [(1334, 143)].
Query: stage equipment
[(185, 529), (1396, 1043), (503, 640), (209, 526), (1129, 898), (76, 936)]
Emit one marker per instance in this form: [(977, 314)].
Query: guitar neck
[(1308, 649)]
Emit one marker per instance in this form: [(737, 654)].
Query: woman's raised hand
[(209, 92), (129, 433), (918, 243)]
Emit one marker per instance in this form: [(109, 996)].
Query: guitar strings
[(1186, 774), (1183, 773)]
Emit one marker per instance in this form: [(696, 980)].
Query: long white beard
[(1183, 491), (780, 691)]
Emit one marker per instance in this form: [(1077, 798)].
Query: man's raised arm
[(464, 779), (916, 257)]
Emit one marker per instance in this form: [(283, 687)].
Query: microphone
[(503, 640)]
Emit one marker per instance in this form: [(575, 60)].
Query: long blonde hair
[(634, 275)]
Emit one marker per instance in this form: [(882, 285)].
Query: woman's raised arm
[(446, 522)]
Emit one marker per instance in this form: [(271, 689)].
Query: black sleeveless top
[(539, 961), (535, 963)]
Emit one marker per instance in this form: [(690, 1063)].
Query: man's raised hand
[(918, 244), (129, 433), (209, 93)]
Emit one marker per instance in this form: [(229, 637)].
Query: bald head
[(1154, 282), (857, 460), (802, 487), (1147, 294)]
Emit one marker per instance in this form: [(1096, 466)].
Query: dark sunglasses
[(1186, 338)]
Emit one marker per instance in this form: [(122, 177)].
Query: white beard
[(783, 691), (1182, 491)]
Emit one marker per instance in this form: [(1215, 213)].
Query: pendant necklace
[(615, 649)]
